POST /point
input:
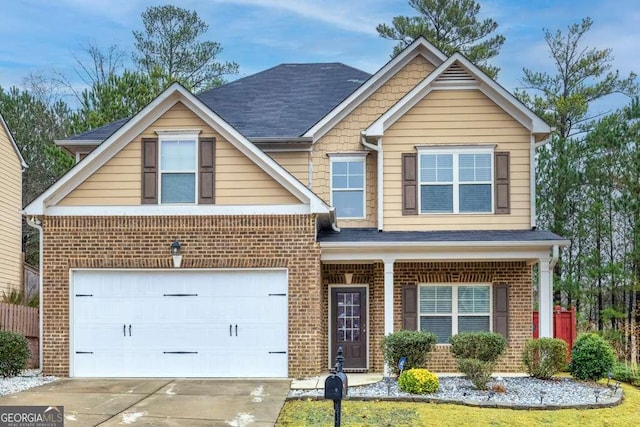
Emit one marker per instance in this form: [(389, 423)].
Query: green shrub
[(414, 345), (477, 353), (627, 372), (485, 346), (544, 357), (478, 371), (591, 357), (14, 353), (418, 381)]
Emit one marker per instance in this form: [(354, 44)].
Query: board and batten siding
[(456, 117), (345, 136), (10, 217), (238, 180)]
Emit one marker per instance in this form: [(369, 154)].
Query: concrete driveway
[(160, 402)]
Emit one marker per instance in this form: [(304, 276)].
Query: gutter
[(458, 243), (380, 160), (37, 224)]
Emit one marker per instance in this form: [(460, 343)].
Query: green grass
[(371, 413)]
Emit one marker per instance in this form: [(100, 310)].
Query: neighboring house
[(316, 206), (11, 167)]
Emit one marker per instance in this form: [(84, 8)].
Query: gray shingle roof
[(101, 133), (281, 102), (372, 235)]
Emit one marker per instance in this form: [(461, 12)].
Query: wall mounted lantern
[(175, 253)]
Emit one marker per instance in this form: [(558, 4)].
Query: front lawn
[(359, 413)]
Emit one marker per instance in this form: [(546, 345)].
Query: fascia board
[(13, 142), (419, 47), (143, 120), (487, 86), (440, 244), (377, 128), (73, 142), (266, 163)]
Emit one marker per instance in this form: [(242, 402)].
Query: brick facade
[(517, 274), (207, 242)]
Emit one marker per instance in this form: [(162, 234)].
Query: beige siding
[(345, 136), (296, 163), (238, 180), (10, 218), (456, 117)]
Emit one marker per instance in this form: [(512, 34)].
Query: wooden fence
[(564, 326), (25, 321)]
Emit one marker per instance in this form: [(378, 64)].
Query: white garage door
[(172, 323)]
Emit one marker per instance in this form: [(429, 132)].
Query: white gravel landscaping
[(520, 392), (26, 380)]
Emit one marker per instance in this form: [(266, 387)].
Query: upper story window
[(447, 310), (455, 181), (178, 166), (348, 185)]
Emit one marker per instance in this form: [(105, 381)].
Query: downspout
[(37, 224), (380, 178), (554, 259)]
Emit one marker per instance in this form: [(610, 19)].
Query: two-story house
[(253, 229)]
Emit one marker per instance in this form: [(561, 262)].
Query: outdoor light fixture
[(175, 253)]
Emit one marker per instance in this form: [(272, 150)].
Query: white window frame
[(350, 157), (455, 152), (454, 305), (178, 136)]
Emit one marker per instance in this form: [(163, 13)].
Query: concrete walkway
[(160, 402), (318, 382)]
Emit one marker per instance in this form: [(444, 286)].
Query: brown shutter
[(501, 309), (410, 307), (502, 182), (409, 184), (206, 171), (149, 170)]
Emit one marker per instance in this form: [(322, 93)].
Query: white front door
[(179, 323)]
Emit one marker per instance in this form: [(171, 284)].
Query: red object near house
[(564, 325)]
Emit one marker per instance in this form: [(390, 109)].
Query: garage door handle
[(124, 330), (236, 330), (129, 330), (230, 330)]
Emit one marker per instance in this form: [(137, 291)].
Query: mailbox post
[(336, 386)]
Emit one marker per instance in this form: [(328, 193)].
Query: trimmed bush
[(476, 353), (485, 346), (478, 371), (14, 353), (627, 372), (592, 358), (414, 345), (418, 381), (544, 357)]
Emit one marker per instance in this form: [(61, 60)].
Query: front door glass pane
[(348, 316)]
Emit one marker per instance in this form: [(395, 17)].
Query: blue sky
[(42, 36)]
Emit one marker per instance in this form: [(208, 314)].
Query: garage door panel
[(183, 323)]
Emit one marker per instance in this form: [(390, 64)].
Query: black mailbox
[(334, 387)]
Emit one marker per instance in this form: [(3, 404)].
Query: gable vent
[(455, 73)]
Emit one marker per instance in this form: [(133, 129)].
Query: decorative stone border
[(614, 399)]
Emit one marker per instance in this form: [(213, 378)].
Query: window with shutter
[(456, 180), (178, 168), (447, 310)]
